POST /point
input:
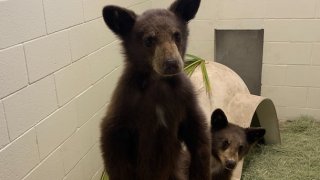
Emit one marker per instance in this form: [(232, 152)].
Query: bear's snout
[(167, 60), (171, 66), (231, 164)]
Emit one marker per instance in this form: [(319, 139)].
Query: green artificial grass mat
[(104, 176), (296, 158)]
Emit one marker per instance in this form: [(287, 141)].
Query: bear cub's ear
[(218, 120), (254, 134), (185, 9), (119, 20)]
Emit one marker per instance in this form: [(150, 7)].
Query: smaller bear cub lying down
[(230, 143)]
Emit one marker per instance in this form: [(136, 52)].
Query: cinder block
[(13, 71), (72, 80), (161, 4), (17, 159), (75, 148), (50, 168), (201, 30), (277, 30), (298, 30), (4, 136), (48, 54), (290, 113), (89, 37), (86, 105), (92, 162), (61, 14), (93, 99), (72, 152), (298, 9), (93, 9), (109, 82), (244, 24), (88, 166), (20, 21), (318, 13), (203, 49), (141, 7), (273, 74), (314, 98), (125, 3), (56, 128), (105, 60), (77, 173), (303, 76), (298, 76), (207, 9), (287, 53), (306, 30), (241, 9), (28, 106), (90, 131), (314, 74), (315, 58), (295, 97)]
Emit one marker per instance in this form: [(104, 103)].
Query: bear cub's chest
[(161, 104)]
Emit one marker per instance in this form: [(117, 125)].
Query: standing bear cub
[(230, 143), (154, 108)]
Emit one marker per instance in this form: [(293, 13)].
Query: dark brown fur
[(230, 143), (153, 108)]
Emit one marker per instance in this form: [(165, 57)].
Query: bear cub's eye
[(240, 148), (177, 37), (149, 41), (225, 144)]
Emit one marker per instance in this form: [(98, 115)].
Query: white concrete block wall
[(318, 9), (76, 75), (30, 105), (48, 54), (51, 133), (19, 157), (88, 37), (315, 57), (4, 136), (50, 168), (21, 21), (59, 64), (13, 71), (291, 56), (61, 14)]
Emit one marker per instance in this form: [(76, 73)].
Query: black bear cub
[(230, 143), (154, 107)]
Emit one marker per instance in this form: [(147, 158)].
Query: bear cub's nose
[(171, 66), (230, 164)]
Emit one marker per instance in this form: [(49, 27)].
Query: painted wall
[(58, 66), (291, 60)]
